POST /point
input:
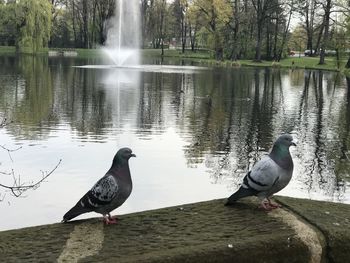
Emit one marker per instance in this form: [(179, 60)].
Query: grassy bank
[(88, 53), (205, 57), (7, 49)]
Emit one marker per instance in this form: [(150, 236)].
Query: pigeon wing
[(263, 175), (101, 194)]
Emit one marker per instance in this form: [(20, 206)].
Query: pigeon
[(110, 192), (269, 175)]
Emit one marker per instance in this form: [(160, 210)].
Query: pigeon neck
[(280, 154), (119, 162)]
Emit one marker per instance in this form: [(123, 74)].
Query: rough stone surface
[(332, 219), (200, 232), (34, 244)]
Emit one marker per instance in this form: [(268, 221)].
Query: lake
[(195, 131)]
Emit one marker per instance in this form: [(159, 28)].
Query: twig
[(9, 150), (17, 189), (5, 173), (3, 122)]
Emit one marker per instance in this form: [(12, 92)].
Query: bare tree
[(263, 9), (284, 37), (180, 13), (308, 10)]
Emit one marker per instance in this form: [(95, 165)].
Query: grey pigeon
[(110, 192), (269, 175)]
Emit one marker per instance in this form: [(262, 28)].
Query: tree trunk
[(93, 31), (85, 24), (275, 55), (258, 45), (144, 7), (260, 8), (268, 41), (234, 54), (348, 63), (74, 24), (326, 31), (285, 32), (192, 34), (317, 46), (161, 27), (183, 34), (309, 23)]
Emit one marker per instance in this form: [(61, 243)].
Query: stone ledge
[(331, 219), (199, 232)]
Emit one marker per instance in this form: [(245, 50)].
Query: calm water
[(195, 132)]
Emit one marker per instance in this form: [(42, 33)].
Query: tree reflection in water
[(227, 118)]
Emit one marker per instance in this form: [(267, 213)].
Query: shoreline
[(203, 57)]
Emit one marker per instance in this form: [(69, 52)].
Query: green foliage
[(227, 27), (215, 14), (7, 24), (61, 33), (25, 24), (33, 19)]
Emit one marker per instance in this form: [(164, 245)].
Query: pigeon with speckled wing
[(269, 175), (110, 192)]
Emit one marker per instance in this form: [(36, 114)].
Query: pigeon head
[(280, 151), (122, 157), (285, 140)]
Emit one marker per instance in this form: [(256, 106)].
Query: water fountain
[(123, 43), (123, 35)]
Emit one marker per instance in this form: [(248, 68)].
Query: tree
[(308, 10), (278, 55), (345, 7), (162, 11), (235, 26), (157, 20), (263, 9), (297, 40), (33, 21), (327, 11), (62, 32), (179, 10), (8, 29), (193, 26), (105, 9), (215, 14)]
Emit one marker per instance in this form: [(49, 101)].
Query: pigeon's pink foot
[(273, 205), (267, 205), (108, 220)]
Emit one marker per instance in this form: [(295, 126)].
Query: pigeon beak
[(132, 155), (293, 143)]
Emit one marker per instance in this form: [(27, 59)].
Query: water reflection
[(217, 122)]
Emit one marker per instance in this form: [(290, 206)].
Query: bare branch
[(18, 188), (10, 150), (4, 122), (5, 173)]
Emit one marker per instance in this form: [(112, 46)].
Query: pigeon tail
[(241, 193), (74, 212)]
